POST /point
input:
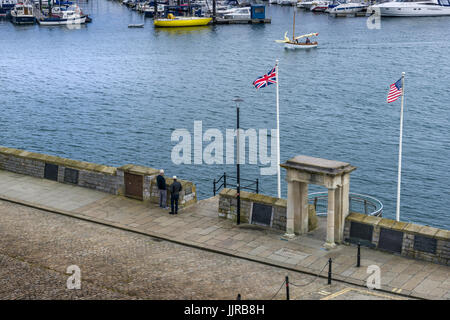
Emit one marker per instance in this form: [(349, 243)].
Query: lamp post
[(238, 173)]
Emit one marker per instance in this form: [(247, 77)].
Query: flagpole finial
[(403, 74)]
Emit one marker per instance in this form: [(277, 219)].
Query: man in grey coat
[(162, 188), (175, 189)]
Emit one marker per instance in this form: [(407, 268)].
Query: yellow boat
[(173, 21)]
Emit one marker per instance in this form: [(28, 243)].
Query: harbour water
[(113, 95)]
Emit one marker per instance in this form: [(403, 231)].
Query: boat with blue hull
[(22, 14), (6, 6)]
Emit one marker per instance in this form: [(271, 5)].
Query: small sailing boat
[(294, 43)]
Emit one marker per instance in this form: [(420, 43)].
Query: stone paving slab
[(199, 226)]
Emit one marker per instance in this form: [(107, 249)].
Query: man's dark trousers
[(174, 198)]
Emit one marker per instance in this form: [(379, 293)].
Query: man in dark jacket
[(162, 188), (175, 189)]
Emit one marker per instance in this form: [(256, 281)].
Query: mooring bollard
[(287, 288), (238, 296), (358, 257), (329, 271)]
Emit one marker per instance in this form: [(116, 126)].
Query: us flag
[(395, 91), (267, 79)]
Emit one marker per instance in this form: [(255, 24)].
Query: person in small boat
[(307, 41)]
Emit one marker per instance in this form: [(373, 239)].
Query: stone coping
[(139, 170), (254, 197), (68, 163), (318, 165), (410, 228)]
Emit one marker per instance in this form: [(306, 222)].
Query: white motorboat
[(70, 15), (287, 2), (320, 6), (350, 7), (306, 4), (431, 8), (238, 13), (22, 14)]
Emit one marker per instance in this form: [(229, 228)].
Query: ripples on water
[(113, 95)]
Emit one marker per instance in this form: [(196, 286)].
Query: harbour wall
[(402, 238), (130, 180)]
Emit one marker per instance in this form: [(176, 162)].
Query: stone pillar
[(301, 221), (338, 214), (345, 198), (293, 207), (330, 219), (345, 195)]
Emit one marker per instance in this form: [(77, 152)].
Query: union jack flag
[(395, 91), (267, 79)]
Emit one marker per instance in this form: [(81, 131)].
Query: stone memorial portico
[(333, 175)]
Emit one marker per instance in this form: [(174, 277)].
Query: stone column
[(293, 207), (345, 195), (337, 214), (301, 221), (330, 219)]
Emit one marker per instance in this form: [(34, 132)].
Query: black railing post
[(365, 206), (214, 187), (358, 257), (329, 270), (224, 180), (287, 288), (257, 185), (315, 204)]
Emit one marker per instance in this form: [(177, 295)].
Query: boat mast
[(293, 28)]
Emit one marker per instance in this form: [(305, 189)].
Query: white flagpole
[(278, 135), (400, 150)]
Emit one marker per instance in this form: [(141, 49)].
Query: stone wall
[(407, 239), (228, 207), (89, 175), (188, 194)]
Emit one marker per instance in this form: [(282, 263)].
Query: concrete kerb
[(192, 244)]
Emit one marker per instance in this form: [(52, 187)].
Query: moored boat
[(22, 14), (70, 15), (431, 8), (173, 21), (348, 8), (6, 6), (320, 6)]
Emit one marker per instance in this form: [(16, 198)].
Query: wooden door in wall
[(134, 187)]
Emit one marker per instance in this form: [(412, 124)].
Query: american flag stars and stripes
[(267, 79), (395, 91)]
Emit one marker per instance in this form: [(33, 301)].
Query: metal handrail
[(366, 200), (224, 183)]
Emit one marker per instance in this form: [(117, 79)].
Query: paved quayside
[(199, 226)]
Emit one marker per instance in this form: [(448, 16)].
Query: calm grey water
[(113, 95)]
